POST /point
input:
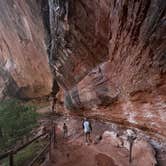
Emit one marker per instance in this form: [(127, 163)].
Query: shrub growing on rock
[(16, 121)]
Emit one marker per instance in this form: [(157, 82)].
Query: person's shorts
[(87, 132)]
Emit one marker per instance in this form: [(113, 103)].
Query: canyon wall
[(116, 62), (24, 69), (108, 56)]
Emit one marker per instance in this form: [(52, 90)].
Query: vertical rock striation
[(24, 69), (108, 56), (116, 61)]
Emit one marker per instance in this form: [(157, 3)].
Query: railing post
[(54, 135), (130, 155), (50, 142), (131, 141), (11, 161)]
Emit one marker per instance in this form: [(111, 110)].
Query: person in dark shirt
[(65, 130)]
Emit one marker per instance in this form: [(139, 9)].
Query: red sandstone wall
[(117, 61), (112, 65), (24, 69)]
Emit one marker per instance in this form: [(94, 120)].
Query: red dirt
[(74, 152), (78, 154)]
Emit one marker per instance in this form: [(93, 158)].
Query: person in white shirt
[(87, 129)]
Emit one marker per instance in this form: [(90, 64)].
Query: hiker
[(65, 130), (87, 129)]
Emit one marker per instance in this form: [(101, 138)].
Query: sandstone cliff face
[(110, 61), (116, 61), (24, 69)]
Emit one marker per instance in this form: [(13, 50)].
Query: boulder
[(143, 154), (111, 137)]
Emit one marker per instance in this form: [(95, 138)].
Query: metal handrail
[(28, 143), (41, 153), (12, 152)]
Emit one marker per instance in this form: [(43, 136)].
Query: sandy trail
[(77, 153), (74, 152)]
